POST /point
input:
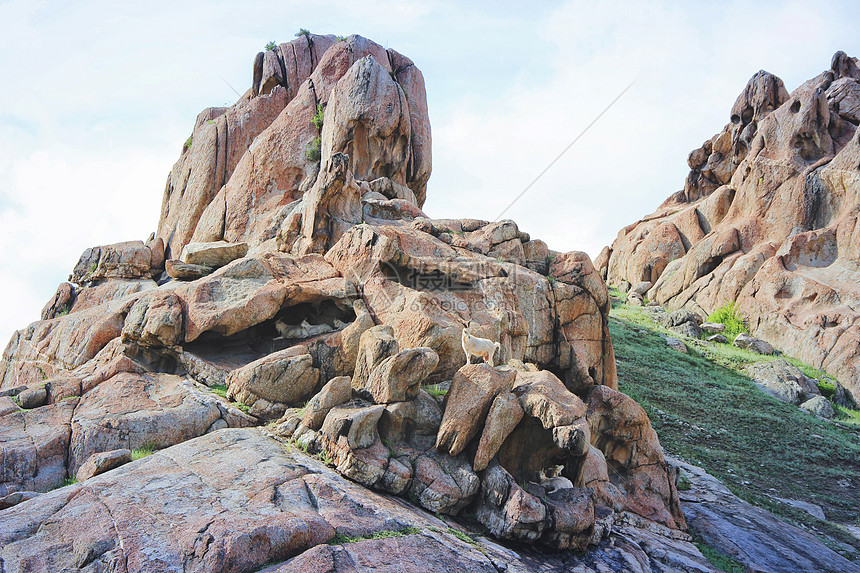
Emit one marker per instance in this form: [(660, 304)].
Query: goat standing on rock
[(474, 346)]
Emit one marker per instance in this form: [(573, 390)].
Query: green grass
[(719, 559), (456, 533), (187, 145), (70, 481), (435, 390), (142, 452), (221, 390), (340, 538), (271, 46), (708, 412)]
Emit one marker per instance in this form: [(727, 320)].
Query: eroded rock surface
[(767, 219)]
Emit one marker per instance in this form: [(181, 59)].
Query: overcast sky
[(97, 99)]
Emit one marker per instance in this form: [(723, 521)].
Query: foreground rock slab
[(236, 500)]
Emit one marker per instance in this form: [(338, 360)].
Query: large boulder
[(504, 415), (398, 378), (273, 383), (134, 411), (467, 403), (638, 476), (102, 462), (35, 445), (130, 260), (215, 254), (783, 380)]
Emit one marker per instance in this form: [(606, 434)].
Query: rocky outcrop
[(293, 268), (767, 219), (260, 186), (498, 428), (783, 381)]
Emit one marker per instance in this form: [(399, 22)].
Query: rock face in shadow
[(768, 219)]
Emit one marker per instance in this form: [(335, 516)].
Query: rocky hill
[(768, 220), (275, 381)]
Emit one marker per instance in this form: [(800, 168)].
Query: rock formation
[(293, 266), (768, 218)]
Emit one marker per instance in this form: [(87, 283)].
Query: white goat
[(553, 484), (474, 346)]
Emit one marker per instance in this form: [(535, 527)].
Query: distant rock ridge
[(768, 219)]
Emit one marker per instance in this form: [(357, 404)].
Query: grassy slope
[(709, 413)]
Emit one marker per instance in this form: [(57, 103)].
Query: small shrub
[(70, 481), (64, 310), (318, 117), (719, 559), (314, 151), (341, 38), (340, 538), (683, 483), (461, 536), (324, 458), (271, 46), (729, 316), (302, 32)]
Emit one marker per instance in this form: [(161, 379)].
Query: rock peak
[(767, 220)]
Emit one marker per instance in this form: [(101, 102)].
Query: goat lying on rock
[(553, 484)]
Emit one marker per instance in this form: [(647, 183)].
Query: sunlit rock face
[(768, 218)]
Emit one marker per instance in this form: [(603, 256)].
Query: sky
[(97, 98)]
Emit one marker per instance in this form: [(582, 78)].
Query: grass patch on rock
[(708, 412), (142, 452), (719, 559), (340, 538)]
